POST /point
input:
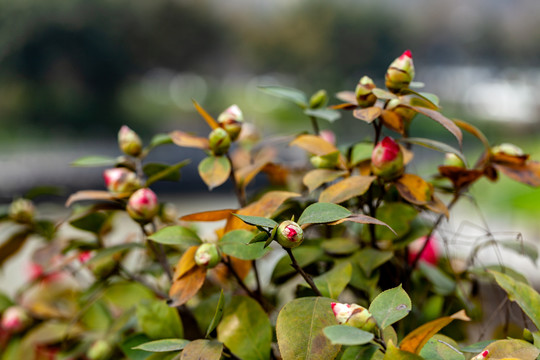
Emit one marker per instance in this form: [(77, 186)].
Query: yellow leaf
[(393, 121), (214, 215), (414, 189), (183, 139), (209, 120), (314, 145), (186, 262), (512, 349), (317, 177), (346, 189), (368, 114), (214, 170)]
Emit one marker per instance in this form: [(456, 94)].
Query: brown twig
[(301, 271), (315, 125)]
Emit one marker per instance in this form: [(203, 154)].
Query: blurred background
[(73, 71)]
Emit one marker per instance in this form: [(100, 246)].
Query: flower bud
[(290, 234), (84, 256), (329, 136), (231, 121), (451, 159), (363, 92), (220, 141), (328, 161), (483, 355), (400, 72), (100, 350), (430, 254), (15, 319), (130, 143), (507, 149), (318, 100), (354, 315), (143, 205), (387, 159), (22, 210), (121, 180), (207, 255)]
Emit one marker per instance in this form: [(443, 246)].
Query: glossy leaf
[(214, 170), (186, 262), (390, 306), (371, 259), (202, 350), (305, 255), (393, 121), (158, 320), (209, 119), (299, 329), (362, 219), (346, 189), (347, 335), (441, 119), (332, 283), (313, 144), (383, 94), (164, 172), (245, 329), (361, 152), (368, 114), (176, 235), (163, 345), (257, 221), (414, 189), (329, 115), (441, 347), (339, 246), (397, 215), (214, 215), (89, 161), (111, 251), (236, 243), (218, 314), (512, 349), (158, 140), (476, 347), (320, 213), (183, 139), (296, 96), (127, 295), (127, 346), (185, 287), (435, 145), (443, 284), (360, 352)]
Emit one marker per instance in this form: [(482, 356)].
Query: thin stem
[(227, 262), (257, 278), (377, 125), (315, 125), (306, 277), (159, 253)]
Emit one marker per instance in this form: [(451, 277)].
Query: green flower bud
[(130, 143), (328, 161), (451, 159), (100, 350), (220, 141), (22, 211), (318, 100), (387, 159), (207, 255), (143, 205), (363, 92), (400, 72), (507, 149), (290, 234), (354, 315), (231, 121)]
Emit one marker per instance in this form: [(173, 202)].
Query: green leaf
[(126, 295), (441, 347), (112, 250), (329, 115), (13, 244), (5, 302), (44, 190), (97, 317), (163, 345), (442, 283), (524, 295), (158, 140), (218, 315), (92, 222), (176, 235), (260, 237), (245, 329), (236, 243), (476, 347), (128, 345), (202, 350), (95, 161), (390, 306), (320, 213), (299, 329), (370, 259), (339, 246), (512, 348), (156, 172), (158, 320), (360, 152), (522, 248), (257, 221), (296, 96), (347, 335), (214, 170), (333, 282), (304, 255), (435, 145), (397, 215), (359, 352), (383, 94)]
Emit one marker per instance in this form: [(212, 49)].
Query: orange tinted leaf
[(414, 189), (393, 121), (407, 155), (214, 170), (416, 339), (368, 114), (437, 206), (441, 119), (474, 131), (346, 189), (459, 176), (317, 177), (505, 159), (183, 139), (314, 144), (187, 286), (209, 120), (214, 215), (528, 173), (277, 174), (186, 262), (245, 174), (344, 106), (348, 97), (362, 219), (91, 195)]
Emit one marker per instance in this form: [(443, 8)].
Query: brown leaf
[(368, 114), (362, 219), (528, 173), (474, 131), (214, 215), (393, 121), (512, 160), (186, 263), (185, 287), (437, 206), (441, 119), (209, 120), (414, 189), (346, 189), (91, 195), (317, 177), (183, 139), (348, 97), (460, 177)]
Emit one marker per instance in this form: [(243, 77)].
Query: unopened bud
[(400, 72), (328, 135), (121, 180), (84, 256), (483, 355), (220, 141), (318, 100), (404, 112), (430, 253), (507, 149), (207, 255), (451, 159), (354, 315), (100, 350), (22, 210), (363, 92), (290, 234), (143, 205), (328, 161), (15, 319), (130, 143), (231, 121), (387, 159)]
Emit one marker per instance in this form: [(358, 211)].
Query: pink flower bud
[(290, 234), (507, 149), (354, 315), (207, 255), (84, 256), (22, 211), (15, 319), (400, 72), (130, 143), (430, 254), (220, 141), (231, 120), (143, 205), (364, 95), (387, 159), (329, 136), (121, 180), (483, 355)]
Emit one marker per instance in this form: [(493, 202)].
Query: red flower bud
[(364, 95), (387, 159), (483, 355), (220, 141), (143, 205), (15, 319), (354, 315), (207, 255), (22, 210), (400, 72), (130, 143), (231, 121), (290, 234), (84, 256), (329, 136), (430, 254), (121, 180)]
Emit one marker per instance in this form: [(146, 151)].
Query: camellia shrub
[(339, 258)]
